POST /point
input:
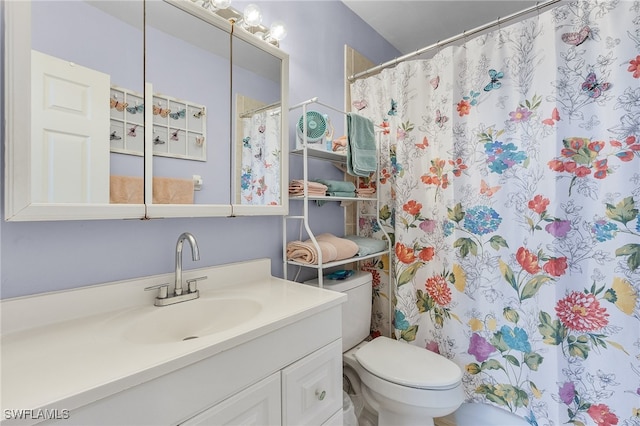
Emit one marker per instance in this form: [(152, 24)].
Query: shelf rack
[(307, 153)]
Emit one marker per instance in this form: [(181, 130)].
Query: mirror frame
[(17, 104)]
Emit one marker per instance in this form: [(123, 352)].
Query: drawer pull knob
[(321, 394)]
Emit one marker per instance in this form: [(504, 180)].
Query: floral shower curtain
[(511, 186), (260, 180)]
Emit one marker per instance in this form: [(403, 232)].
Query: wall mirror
[(260, 111), (162, 146), (62, 59), (188, 77)]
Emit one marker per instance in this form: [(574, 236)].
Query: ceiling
[(411, 25)]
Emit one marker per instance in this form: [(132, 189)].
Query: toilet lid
[(408, 365)]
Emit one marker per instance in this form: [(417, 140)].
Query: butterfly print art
[(435, 82), (174, 135), (487, 190), (359, 105), (394, 108), (158, 110), (132, 131), (114, 137), (136, 109), (495, 80), (441, 119), (178, 115), (199, 114), (576, 39), (592, 87), (119, 106), (555, 117)]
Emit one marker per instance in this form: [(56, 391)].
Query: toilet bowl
[(401, 384)]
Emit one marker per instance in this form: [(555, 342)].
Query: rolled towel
[(305, 252)]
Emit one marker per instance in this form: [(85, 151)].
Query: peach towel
[(331, 247), (172, 191), (130, 190), (126, 190)]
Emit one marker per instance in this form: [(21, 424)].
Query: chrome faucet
[(195, 255), (179, 295)]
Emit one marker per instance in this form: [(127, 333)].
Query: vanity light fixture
[(249, 20)]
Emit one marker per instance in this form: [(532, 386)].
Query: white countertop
[(66, 349)]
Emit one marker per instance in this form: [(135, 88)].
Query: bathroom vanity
[(252, 349)]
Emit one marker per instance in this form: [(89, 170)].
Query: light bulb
[(278, 31), (252, 15), (221, 4)]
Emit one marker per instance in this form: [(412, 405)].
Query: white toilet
[(401, 383)]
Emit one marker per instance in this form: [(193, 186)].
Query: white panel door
[(69, 132)]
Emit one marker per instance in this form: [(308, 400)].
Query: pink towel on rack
[(172, 191), (126, 190)]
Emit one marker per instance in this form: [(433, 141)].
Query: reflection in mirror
[(82, 52), (189, 75), (258, 142), (259, 153)]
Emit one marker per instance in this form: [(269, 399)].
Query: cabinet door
[(257, 405), (312, 387)]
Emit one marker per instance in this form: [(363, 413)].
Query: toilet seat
[(408, 365)]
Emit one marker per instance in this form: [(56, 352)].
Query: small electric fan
[(316, 127)]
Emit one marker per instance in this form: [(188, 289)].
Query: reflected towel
[(130, 190), (126, 190), (337, 185), (172, 191), (361, 147)]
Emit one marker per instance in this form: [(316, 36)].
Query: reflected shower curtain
[(260, 180), (511, 186)]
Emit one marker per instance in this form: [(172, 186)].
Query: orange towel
[(172, 191), (126, 190), (130, 190)]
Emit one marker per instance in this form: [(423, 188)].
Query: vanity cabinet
[(307, 392)]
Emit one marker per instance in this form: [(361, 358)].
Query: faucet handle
[(163, 290), (191, 284)]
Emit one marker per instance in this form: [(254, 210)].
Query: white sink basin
[(191, 319)]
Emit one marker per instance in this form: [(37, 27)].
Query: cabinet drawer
[(258, 405), (312, 387)]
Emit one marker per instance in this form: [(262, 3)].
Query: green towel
[(361, 146), (337, 185), (341, 194), (366, 245)]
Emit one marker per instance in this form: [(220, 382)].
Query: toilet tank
[(356, 312)]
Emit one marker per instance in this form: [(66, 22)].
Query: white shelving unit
[(333, 157)]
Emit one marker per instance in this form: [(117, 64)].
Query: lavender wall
[(38, 257)]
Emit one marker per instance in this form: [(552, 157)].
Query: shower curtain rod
[(263, 108), (462, 35)]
